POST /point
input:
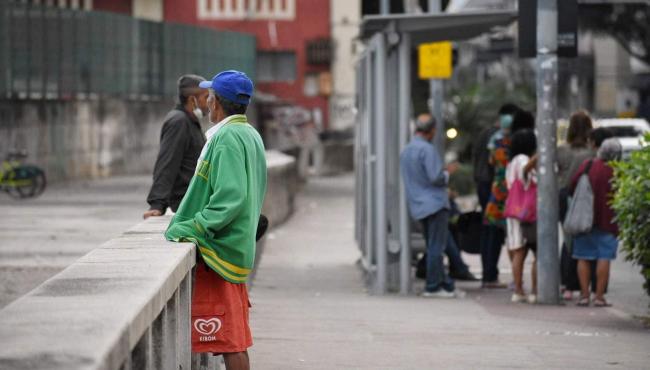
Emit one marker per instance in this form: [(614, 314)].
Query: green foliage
[(476, 105), (462, 181), (627, 23), (631, 203)]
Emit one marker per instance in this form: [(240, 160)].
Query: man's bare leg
[(236, 361)]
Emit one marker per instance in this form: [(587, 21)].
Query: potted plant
[(631, 202)]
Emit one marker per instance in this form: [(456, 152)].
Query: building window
[(273, 66), (311, 85), (284, 10)]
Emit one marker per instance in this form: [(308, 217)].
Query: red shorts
[(219, 313)]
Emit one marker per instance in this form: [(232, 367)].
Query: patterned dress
[(499, 154)]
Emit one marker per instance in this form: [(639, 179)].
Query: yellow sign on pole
[(435, 60)]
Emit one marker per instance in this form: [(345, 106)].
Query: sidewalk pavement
[(311, 311), (40, 237)]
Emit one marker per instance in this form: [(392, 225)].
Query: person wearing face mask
[(493, 233), (220, 214), (181, 141)]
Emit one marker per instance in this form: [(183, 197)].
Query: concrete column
[(163, 338), (184, 342), (170, 334), (205, 361), (141, 356)]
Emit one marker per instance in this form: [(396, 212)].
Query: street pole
[(384, 7), (436, 89), (548, 271), (404, 121)]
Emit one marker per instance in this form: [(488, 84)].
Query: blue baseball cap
[(232, 85)]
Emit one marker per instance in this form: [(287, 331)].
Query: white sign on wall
[(246, 9)]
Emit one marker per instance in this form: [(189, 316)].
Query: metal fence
[(54, 53)]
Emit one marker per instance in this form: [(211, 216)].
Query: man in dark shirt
[(181, 141)]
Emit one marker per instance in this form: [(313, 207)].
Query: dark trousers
[(483, 190), (492, 239), (456, 263), (436, 233)]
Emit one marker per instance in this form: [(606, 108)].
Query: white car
[(629, 131)]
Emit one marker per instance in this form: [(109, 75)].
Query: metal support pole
[(548, 271), (384, 6), (437, 97), (380, 179), (404, 93), (368, 137)]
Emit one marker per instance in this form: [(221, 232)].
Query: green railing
[(53, 53)]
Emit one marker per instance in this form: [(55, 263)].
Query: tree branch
[(644, 57)]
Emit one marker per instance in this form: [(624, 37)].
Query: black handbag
[(468, 232)]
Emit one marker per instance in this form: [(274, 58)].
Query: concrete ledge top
[(95, 311), (277, 159)]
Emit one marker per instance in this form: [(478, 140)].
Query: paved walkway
[(40, 237), (311, 311)]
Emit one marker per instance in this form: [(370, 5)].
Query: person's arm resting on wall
[(173, 141)]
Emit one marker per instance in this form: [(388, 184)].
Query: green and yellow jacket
[(221, 208)]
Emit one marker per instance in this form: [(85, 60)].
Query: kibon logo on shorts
[(208, 328)]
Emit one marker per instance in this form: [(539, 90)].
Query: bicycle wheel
[(28, 182), (16, 191), (39, 182)]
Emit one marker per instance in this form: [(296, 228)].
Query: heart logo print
[(207, 327)]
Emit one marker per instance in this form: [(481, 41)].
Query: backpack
[(580, 216)]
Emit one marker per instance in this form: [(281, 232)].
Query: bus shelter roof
[(438, 27)]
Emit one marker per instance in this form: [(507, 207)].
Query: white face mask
[(198, 113)]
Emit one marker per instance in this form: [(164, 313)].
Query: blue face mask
[(505, 121)]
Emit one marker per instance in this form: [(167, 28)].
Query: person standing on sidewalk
[(425, 181), (493, 234), (219, 214), (569, 157), (599, 244), (181, 140), (521, 236)]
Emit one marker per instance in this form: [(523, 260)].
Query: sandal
[(601, 303), (583, 302)]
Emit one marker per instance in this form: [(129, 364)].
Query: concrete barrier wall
[(125, 305), (282, 187), (337, 157), (91, 139), (84, 139)]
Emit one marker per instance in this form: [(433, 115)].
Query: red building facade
[(285, 30)]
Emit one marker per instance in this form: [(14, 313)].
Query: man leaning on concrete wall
[(219, 214), (181, 141)]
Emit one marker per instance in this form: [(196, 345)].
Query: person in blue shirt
[(425, 181)]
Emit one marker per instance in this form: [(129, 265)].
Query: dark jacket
[(483, 171), (181, 141)]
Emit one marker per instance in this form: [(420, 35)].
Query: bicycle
[(19, 180)]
